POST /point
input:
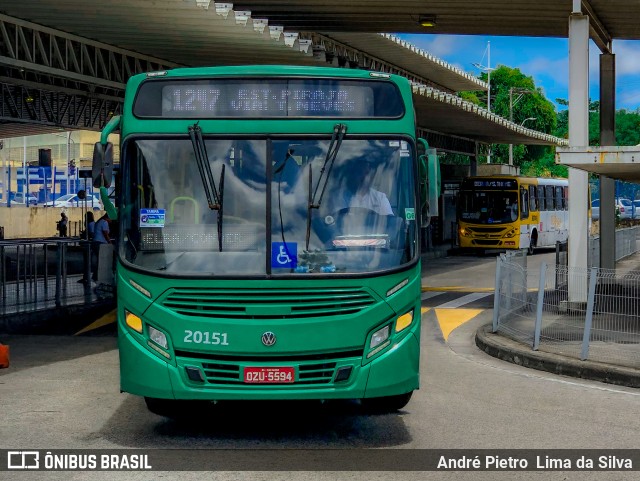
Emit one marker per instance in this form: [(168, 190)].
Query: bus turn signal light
[(133, 321), (404, 321)]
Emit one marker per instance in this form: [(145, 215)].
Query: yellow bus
[(510, 212)]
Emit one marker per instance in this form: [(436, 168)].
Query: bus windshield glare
[(283, 206), (488, 207)]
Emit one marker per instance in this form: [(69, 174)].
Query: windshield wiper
[(171, 262), (214, 195), (339, 131)]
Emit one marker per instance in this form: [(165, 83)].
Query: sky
[(544, 59)]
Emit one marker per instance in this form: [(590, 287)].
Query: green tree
[(562, 128), (627, 134), (627, 124), (627, 127), (544, 167), (532, 104)]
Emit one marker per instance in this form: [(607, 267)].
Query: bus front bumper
[(392, 372)]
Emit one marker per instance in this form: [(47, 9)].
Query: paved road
[(62, 392)]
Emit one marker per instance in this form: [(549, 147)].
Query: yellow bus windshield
[(488, 207)]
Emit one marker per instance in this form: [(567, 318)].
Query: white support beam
[(578, 245), (588, 157)]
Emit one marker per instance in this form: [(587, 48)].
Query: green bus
[(268, 243)]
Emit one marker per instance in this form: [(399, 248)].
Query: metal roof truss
[(19, 103), (50, 57)]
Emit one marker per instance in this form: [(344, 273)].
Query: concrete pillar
[(578, 137), (607, 137)]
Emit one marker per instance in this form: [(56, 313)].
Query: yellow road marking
[(424, 309), (108, 318), (449, 319)]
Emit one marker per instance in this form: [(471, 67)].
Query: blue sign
[(284, 255), (152, 217)]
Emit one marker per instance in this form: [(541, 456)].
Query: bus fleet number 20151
[(204, 337)]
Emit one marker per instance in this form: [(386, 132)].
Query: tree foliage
[(544, 167), (536, 160), (532, 104), (627, 124)]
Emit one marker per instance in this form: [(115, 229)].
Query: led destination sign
[(490, 184), (229, 98)]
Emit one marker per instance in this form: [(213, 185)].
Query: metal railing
[(579, 313), (40, 274), (625, 245)]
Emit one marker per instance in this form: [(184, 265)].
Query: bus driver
[(357, 191)]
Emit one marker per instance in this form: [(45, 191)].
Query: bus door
[(524, 216)]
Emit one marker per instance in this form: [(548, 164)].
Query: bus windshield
[(488, 207), (283, 206)]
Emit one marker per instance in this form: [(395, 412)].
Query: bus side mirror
[(102, 169)]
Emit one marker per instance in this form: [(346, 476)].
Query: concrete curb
[(508, 350)]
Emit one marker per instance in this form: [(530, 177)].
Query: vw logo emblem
[(268, 338)]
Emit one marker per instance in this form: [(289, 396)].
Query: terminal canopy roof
[(203, 32), (522, 18)]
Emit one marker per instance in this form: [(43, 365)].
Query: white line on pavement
[(461, 301)]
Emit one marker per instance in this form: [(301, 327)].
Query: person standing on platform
[(62, 224), (100, 236)]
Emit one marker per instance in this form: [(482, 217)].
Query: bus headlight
[(379, 340), (464, 232), (379, 337), (511, 233), (158, 341), (158, 337)]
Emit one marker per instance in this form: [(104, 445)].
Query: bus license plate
[(269, 375)]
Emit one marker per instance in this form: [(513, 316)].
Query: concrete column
[(607, 137), (578, 137)]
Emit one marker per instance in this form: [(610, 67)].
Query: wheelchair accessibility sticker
[(284, 254)]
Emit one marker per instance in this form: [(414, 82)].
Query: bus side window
[(559, 198), (549, 197), (565, 193), (541, 199), (533, 198), (524, 203)]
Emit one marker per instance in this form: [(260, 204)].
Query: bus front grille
[(237, 303), (321, 373), (486, 230), (319, 368), (486, 242)]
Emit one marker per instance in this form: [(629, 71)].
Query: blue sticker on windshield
[(152, 217), (284, 255)]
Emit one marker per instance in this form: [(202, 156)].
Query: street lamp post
[(487, 69), (520, 92)]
